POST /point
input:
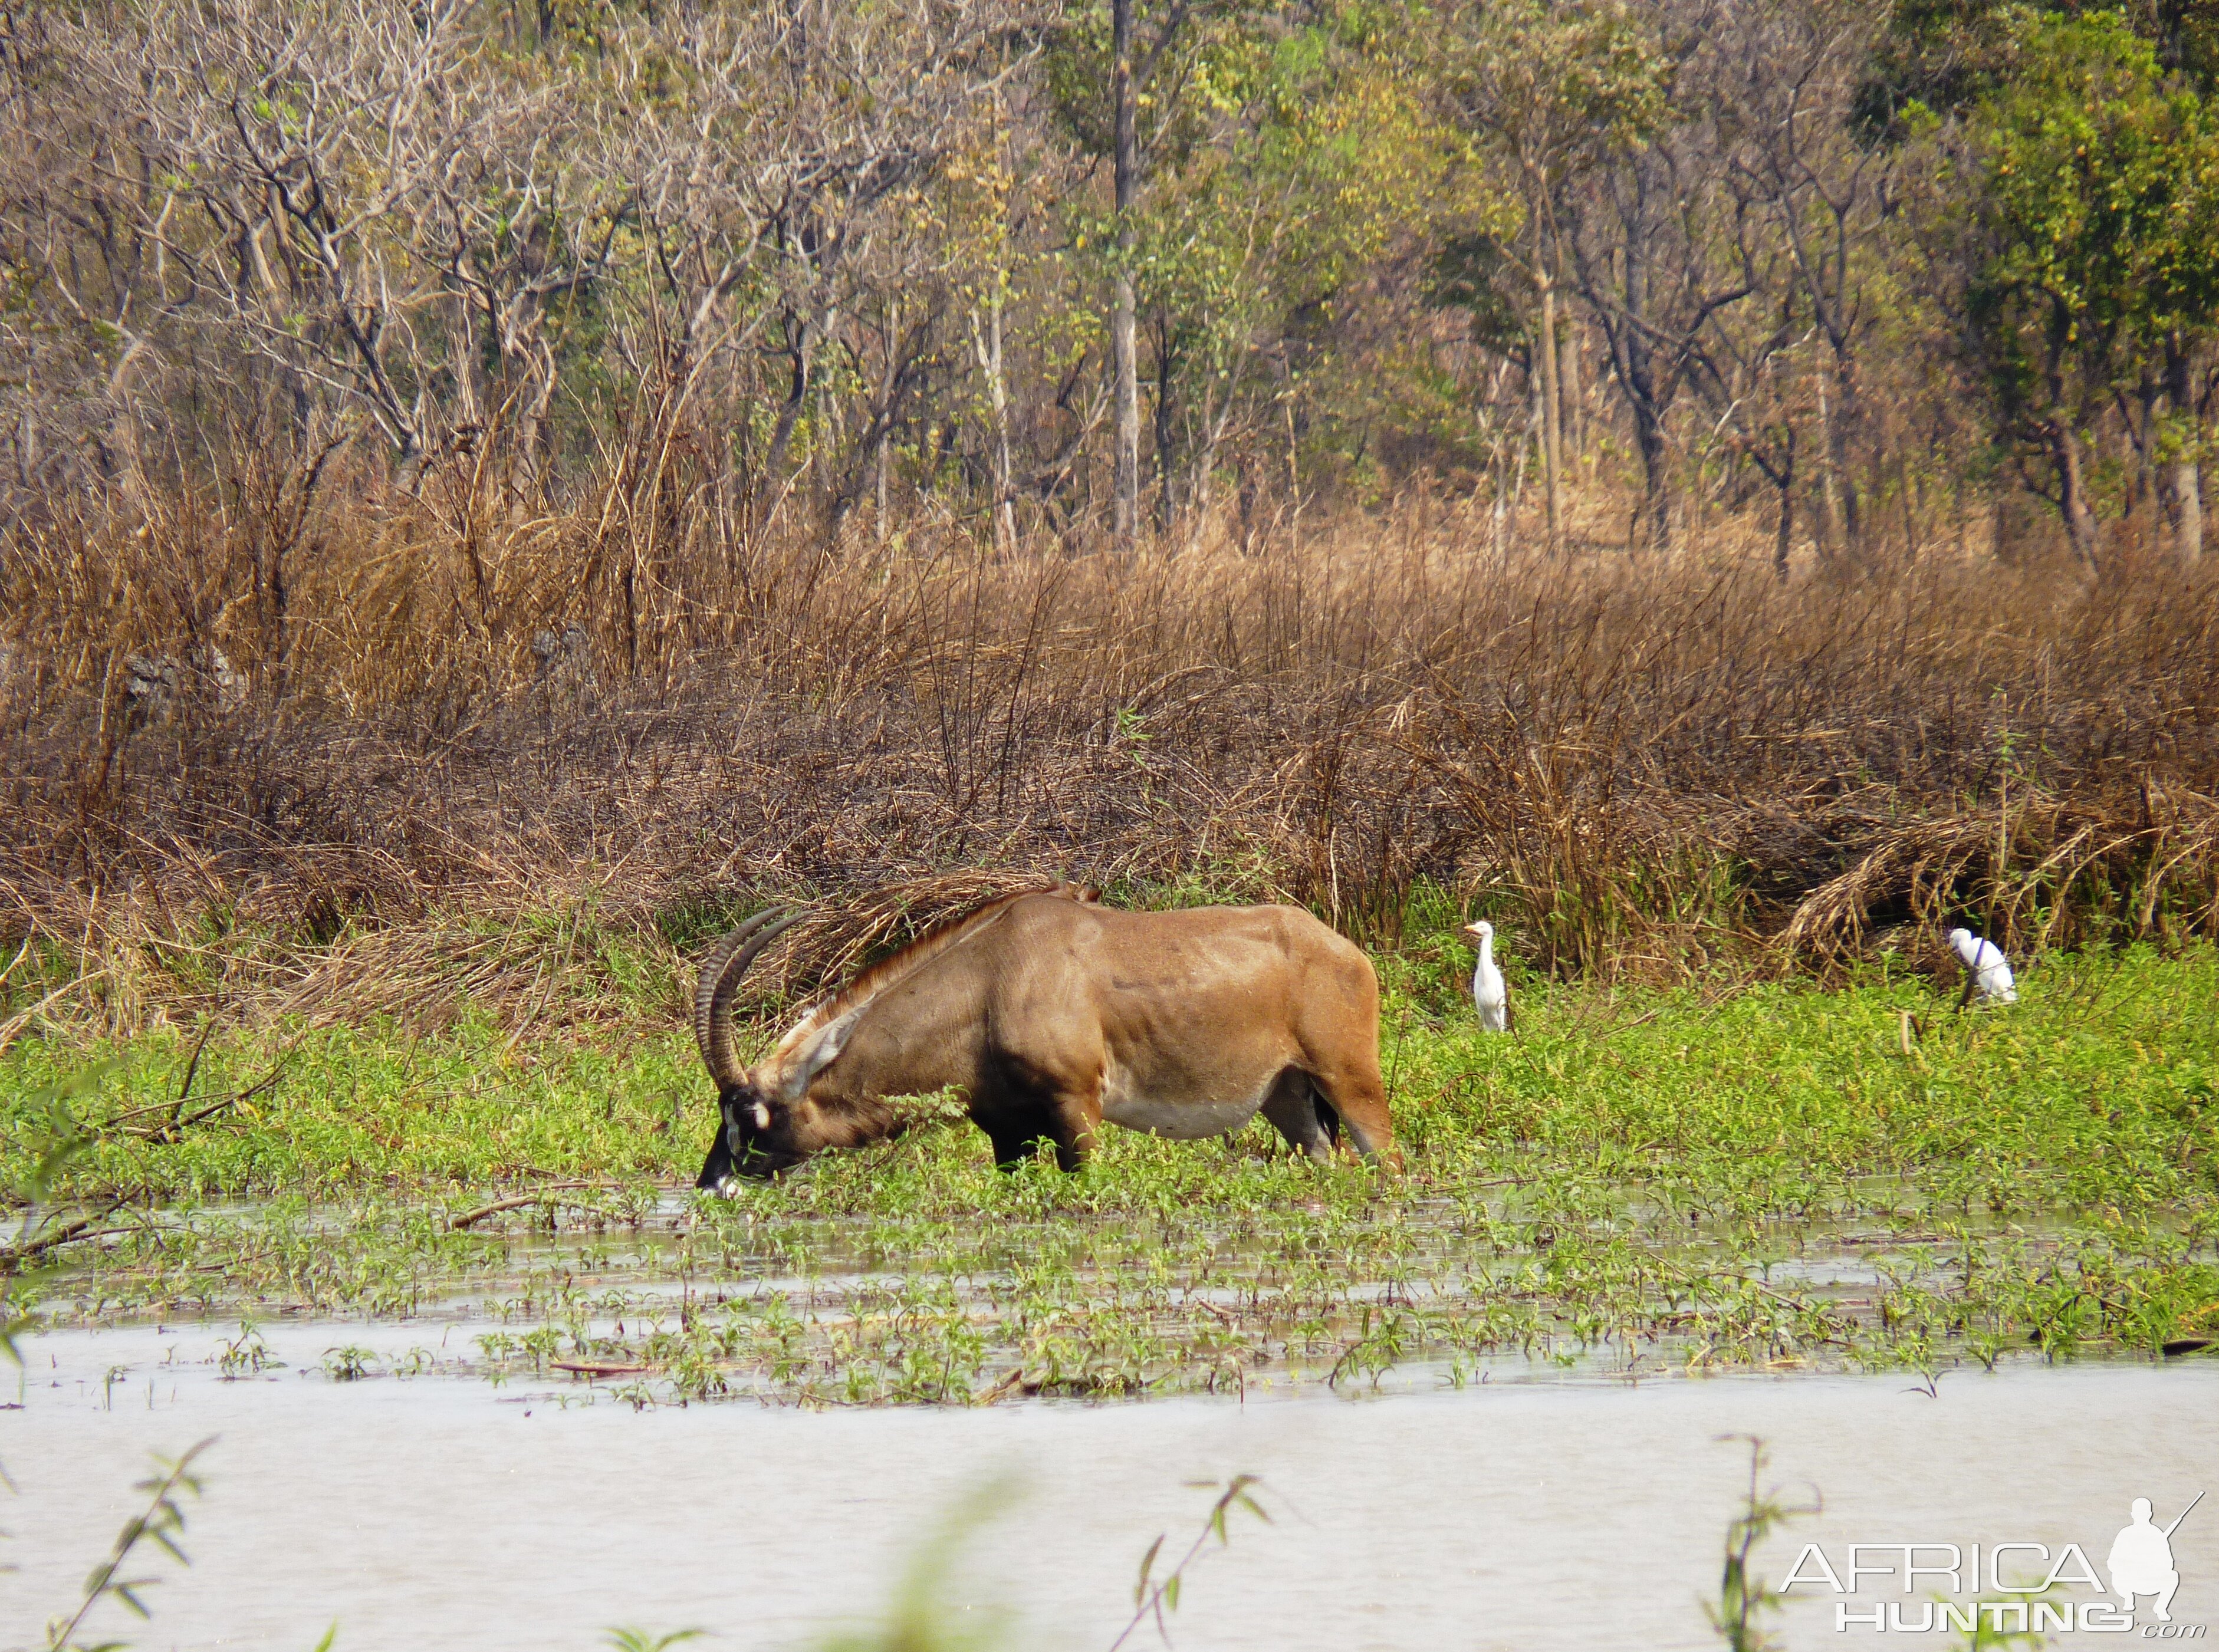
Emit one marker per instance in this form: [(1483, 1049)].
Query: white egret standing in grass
[(1991, 970), (1489, 989)]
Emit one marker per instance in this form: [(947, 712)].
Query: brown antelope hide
[(1050, 1013)]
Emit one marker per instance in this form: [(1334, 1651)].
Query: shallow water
[(902, 1323), (1512, 1514)]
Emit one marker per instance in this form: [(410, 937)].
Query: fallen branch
[(13, 1256), (1009, 1385), (518, 1201), (178, 1119)]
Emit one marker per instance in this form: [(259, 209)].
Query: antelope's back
[(1246, 973)]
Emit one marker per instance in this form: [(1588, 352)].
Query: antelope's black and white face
[(757, 1131)]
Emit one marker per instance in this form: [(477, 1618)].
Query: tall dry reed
[(336, 717)]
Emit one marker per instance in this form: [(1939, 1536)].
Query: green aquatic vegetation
[(1635, 1181), (350, 1363), (352, 1108)]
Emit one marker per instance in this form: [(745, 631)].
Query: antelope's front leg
[(1075, 1124)]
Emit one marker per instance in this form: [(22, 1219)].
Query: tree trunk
[(1551, 413), (800, 340), (2187, 489), (884, 479), (1829, 509), (1166, 443), (986, 345), (1005, 504), (2072, 493), (2142, 437), (1637, 376), (889, 387), (1845, 481), (2187, 492), (1904, 492), (1784, 542), (465, 364), (1199, 461), (1656, 462), (1123, 356), (1573, 420)]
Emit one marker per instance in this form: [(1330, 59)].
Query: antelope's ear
[(828, 1045), (1089, 894)]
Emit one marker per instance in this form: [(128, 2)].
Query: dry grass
[(2032, 873), (1641, 768)]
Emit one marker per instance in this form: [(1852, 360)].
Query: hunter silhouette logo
[(2140, 1561), (2020, 1588)]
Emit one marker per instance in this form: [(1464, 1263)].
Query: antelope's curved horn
[(721, 970)]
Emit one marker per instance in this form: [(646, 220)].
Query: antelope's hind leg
[(1361, 1100), (1300, 1114)]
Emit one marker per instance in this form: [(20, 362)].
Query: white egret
[(1489, 990), (1991, 970)]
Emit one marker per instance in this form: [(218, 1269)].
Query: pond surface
[(1512, 1514), (847, 1308)]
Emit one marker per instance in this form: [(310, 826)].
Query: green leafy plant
[(160, 1524), (1156, 1595), (641, 1640), (350, 1363), (1743, 1599), (51, 1138), (246, 1354), (917, 1618)]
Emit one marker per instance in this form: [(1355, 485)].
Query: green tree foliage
[(2090, 244)]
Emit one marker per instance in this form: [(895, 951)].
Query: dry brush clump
[(2033, 872), (461, 758)]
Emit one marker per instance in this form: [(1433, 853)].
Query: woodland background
[(1702, 478)]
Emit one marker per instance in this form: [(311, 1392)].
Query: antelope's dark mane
[(875, 978)]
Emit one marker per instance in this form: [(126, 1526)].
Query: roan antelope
[(1049, 1013)]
